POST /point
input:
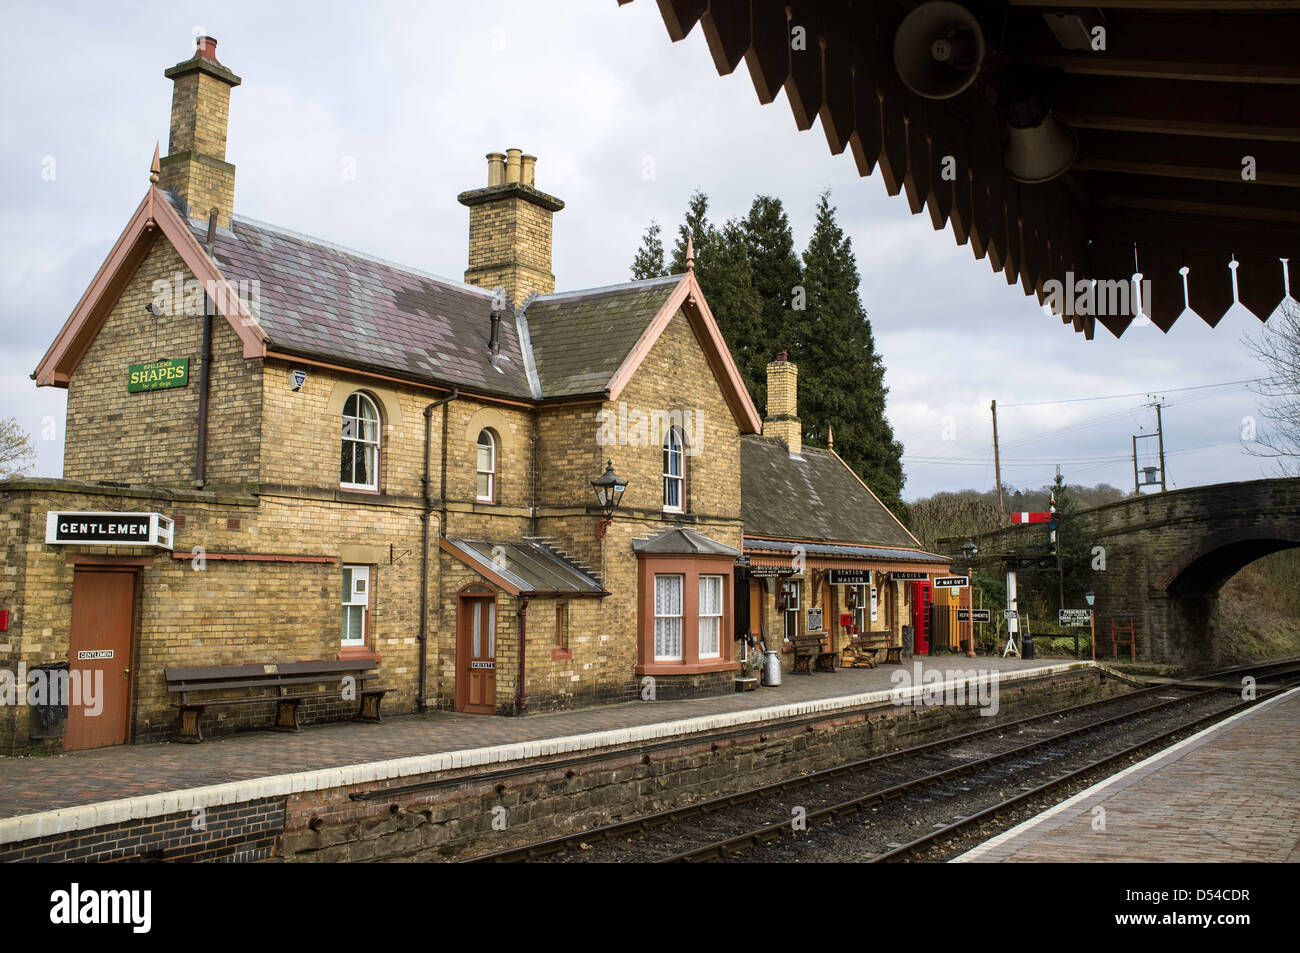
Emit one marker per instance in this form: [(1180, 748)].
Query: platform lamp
[(609, 489), (1090, 597), (969, 549)]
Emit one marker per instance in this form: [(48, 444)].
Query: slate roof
[(816, 498), (683, 542), (530, 567), (581, 338), (319, 300), (843, 549)]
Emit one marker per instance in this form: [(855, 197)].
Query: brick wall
[(151, 436)]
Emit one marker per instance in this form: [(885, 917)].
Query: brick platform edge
[(212, 802), (1142, 768)]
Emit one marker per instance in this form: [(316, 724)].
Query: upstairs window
[(360, 463), (486, 467), (674, 471)]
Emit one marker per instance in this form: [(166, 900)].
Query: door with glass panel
[(476, 650)]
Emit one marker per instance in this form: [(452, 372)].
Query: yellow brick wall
[(150, 437), (510, 247)]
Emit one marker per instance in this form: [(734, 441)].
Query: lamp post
[(1090, 597), (969, 549), (609, 492)]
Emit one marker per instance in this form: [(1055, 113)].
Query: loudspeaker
[(938, 49), (1040, 153)]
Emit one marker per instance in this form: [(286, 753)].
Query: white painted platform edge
[(83, 816), (1172, 753)]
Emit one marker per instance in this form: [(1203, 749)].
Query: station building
[(278, 449)]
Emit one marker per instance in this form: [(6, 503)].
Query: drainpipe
[(205, 372), (422, 698), (521, 702)]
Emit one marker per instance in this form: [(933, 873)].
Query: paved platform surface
[(31, 785), (1229, 794)]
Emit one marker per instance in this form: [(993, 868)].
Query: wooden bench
[(287, 684), (809, 649), (866, 649)]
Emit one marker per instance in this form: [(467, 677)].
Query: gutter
[(205, 372), (521, 702), (422, 698)]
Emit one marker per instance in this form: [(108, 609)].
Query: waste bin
[(772, 667), (49, 717)]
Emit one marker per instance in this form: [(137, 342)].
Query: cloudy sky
[(413, 95)]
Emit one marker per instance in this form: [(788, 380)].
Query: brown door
[(103, 621), (757, 621), (476, 650)]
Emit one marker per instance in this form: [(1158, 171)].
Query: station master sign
[(108, 529)]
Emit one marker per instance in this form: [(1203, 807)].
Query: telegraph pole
[(1135, 465), (997, 465), (1160, 441)]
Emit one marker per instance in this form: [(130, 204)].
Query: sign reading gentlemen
[(111, 529)]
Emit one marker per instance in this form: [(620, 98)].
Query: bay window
[(668, 618)]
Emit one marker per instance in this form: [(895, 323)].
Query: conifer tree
[(769, 245), (841, 376), (649, 260)]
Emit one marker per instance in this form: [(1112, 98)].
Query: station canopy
[(1161, 134)]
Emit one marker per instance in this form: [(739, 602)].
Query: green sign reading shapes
[(157, 375)]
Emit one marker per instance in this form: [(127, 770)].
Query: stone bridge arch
[(1167, 556)]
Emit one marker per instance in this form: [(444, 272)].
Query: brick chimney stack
[(195, 167), (783, 403), (510, 229)]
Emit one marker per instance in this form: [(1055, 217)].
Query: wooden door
[(99, 652), (476, 648), (757, 621)]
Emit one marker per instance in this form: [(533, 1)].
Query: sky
[(360, 123)]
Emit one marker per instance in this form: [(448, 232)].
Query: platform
[(50, 794), (1228, 794)]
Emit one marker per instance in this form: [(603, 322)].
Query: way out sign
[(1075, 617), (951, 582)]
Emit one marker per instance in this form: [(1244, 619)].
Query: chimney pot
[(206, 47), (512, 165), (496, 168), (528, 169), (782, 356)]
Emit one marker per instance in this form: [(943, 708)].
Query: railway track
[(720, 827)]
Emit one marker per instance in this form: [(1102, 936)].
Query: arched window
[(674, 471), (487, 467), (360, 466)]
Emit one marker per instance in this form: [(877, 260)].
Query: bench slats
[(276, 676)]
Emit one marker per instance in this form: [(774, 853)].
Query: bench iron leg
[(188, 729), (286, 714), (369, 710)]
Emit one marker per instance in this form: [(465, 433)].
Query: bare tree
[(17, 452), (1278, 349)]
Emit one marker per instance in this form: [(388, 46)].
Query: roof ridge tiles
[(622, 286)]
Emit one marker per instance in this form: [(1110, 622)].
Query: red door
[(921, 618), (476, 650), (99, 653)]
